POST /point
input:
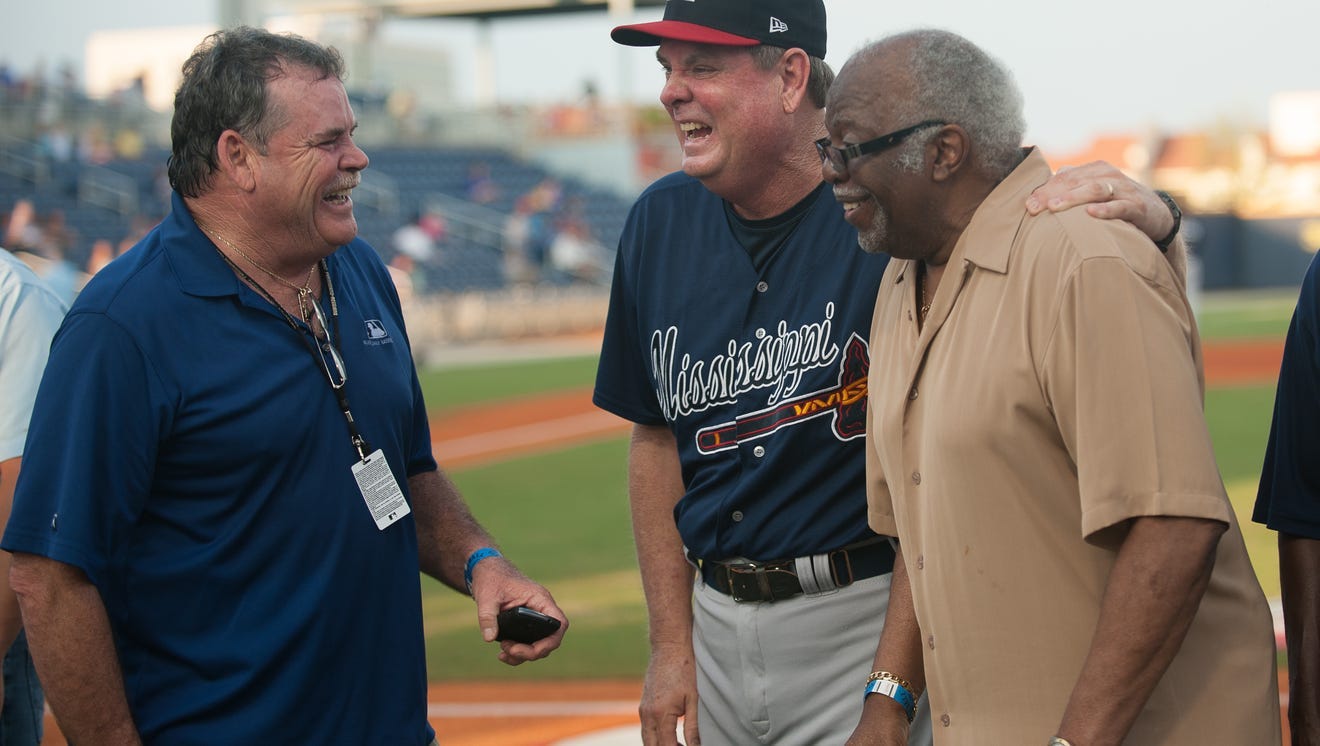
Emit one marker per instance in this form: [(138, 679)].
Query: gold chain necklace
[(924, 307), (304, 292)]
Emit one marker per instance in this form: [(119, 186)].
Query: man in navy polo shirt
[(209, 545), (1289, 502)]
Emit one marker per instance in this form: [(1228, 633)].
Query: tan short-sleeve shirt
[(1054, 392)]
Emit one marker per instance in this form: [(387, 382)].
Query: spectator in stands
[(7, 82), (56, 143), (102, 253), (206, 549), (29, 315), (518, 268), (57, 236), (575, 254), (480, 186), (94, 145), (24, 231), (543, 200), (417, 238)]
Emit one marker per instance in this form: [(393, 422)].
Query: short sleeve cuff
[(1175, 505)]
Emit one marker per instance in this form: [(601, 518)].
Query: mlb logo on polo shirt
[(377, 334), (777, 26)]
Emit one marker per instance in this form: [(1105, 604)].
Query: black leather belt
[(754, 582)]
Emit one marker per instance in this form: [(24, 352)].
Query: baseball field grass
[(563, 516)]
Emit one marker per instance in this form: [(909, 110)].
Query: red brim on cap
[(651, 34)]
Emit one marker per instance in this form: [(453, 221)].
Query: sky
[(1086, 69)]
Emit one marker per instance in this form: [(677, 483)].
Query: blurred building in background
[(1252, 197)]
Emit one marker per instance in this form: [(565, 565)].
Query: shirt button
[(909, 314), (916, 477), (930, 642), (762, 286), (737, 516), (921, 561), (758, 451), (944, 720), (913, 393)]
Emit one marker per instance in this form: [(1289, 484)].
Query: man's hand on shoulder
[(1108, 194)]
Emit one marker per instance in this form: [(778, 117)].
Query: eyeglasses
[(838, 157), (329, 355)]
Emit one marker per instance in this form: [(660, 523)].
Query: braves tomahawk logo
[(846, 403)]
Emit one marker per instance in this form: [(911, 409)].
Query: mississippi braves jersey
[(761, 376)]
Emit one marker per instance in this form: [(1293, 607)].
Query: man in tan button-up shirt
[(1071, 568)]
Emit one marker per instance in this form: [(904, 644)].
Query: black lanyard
[(359, 443)]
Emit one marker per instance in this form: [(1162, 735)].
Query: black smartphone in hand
[(521, 624)]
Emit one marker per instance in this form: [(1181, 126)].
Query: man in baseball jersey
[(737, 344)]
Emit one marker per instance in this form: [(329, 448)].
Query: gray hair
[(818, 82), (224, 88), (956, 81)]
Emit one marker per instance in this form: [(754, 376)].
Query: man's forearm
[(73, 649), (1159, 577), (654, 487), (446, 530), (1299, 568), (10, 621), (899, 653)]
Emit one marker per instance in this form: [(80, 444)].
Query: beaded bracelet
[(895, 691), (472, 561)]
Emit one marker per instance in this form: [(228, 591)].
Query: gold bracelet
[(886, 676)]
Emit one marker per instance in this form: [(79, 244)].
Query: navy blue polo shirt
[(187, 453), (1289, 496), (760, 374)]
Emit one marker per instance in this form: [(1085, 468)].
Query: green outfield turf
[(1239, 420), (451, 387), (564, 516), (1246, 315)]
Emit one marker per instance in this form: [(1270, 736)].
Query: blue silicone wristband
[(472, 561), (896, 692)]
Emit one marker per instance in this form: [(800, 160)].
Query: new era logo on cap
[(737, 23)]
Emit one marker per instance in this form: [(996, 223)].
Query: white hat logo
[(777, 26)]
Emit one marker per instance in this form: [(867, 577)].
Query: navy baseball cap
[(734, 23)]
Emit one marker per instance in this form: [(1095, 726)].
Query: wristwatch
[(1059, 741), (1164, 243)]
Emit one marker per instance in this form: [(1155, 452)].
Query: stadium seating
[(113, 200)]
